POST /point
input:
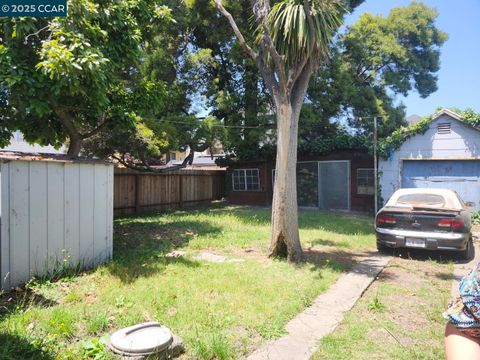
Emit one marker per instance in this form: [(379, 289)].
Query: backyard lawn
[(221, 310)]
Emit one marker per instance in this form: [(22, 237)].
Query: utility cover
[(142, 339)]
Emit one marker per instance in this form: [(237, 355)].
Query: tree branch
[(97, 129), (66, 120), (146, 167), (295, 72), (278, 60), (236, 30), (258, 58), (300, 87), (261, 9)]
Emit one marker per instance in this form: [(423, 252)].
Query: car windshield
[(417, 200)]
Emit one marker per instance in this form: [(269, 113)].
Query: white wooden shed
[(55, 213)]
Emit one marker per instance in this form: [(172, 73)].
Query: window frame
[(365, 186), (257, 170)]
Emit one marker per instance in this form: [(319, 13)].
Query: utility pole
[(375, 170)]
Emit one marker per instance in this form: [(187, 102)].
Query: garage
[(463, 176), (445, 155)]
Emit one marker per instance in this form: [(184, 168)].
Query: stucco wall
[(463, 142)]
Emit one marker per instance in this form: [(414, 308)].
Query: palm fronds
[(291, 30)]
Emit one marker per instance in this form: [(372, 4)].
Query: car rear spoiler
[(404, 207)]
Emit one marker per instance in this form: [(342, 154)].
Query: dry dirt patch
[(398, 317)]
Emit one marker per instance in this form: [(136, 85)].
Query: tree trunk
[(74, 147), (285, 240)]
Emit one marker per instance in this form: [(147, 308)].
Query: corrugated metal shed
[(55, 213)]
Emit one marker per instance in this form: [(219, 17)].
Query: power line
[(268, 126)]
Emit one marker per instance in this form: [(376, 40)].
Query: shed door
[(334, 185), (463, 176)]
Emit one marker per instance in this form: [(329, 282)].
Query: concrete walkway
[(320, 319)]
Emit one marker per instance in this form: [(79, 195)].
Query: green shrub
[(475, 217)]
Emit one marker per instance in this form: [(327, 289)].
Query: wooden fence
[(135, 192)]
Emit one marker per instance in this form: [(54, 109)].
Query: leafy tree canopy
[(371, 62), (104, 77), (376, 59)]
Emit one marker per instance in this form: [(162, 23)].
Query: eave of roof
[(453, 115), (448, 112)]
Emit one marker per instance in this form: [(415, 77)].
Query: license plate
[(414, 242)]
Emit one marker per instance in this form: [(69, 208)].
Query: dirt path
[(320, 319)]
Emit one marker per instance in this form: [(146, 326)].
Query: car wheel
[(469, 252), (382, 248)]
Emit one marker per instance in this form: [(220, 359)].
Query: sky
[(459, 75)]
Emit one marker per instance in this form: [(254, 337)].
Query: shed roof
[(453, 115), (6, 156), (448, 112)]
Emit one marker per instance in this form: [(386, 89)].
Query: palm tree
[(293, 41)]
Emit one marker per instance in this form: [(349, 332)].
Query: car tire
[(382, 248), (469, 252)]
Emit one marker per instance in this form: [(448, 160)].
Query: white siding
[(72, 213), (5, 227), (54, 214), (19, 217), (38, 218), (463, 142), (87, 195)]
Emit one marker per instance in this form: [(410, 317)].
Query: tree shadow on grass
[(137, 234), (443, 257), (327, 242), (150, 215), (343, 261), (130, 269), (18, 301), (14, 347), (340, 223), (140, 248)]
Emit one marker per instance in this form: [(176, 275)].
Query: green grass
[(399, 317), (221, 310)]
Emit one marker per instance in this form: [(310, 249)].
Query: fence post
[(137, 193), (180, 190)]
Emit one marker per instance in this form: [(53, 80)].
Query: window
[(246, 180), (365, 182), (173, 156), (422, 199)]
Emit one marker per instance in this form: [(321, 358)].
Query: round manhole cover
[(142, 339)]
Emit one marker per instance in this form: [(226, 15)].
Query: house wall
[(54, 215), (463, 142), (357, 159), (261, 197), (17, 143)]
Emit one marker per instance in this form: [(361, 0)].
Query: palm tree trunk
[(285, 240)]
